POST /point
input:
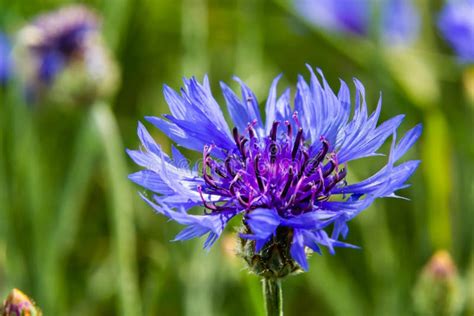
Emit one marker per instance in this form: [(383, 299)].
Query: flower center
[(271, 172)]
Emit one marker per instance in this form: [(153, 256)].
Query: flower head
[(439, 289), (456, 24), (18, 304), (62, 51), (286, 174), (399, 20), (5, 59)]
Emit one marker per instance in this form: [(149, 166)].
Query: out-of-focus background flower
[(76, 238)]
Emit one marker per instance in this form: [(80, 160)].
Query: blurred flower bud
[(62, 58), (468, 81), (229, 248), (18, 304), (439, 290)]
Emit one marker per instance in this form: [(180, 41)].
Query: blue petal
[(177, 134), (150, 181), (203, 131), (311, 241), (175, 102), (263, 224), (270, 108), (240, 112), (252, 103), (297, 249), (283, 107), (200, 96), (390, 178), (350, 207), (147, 141), (312, 220), (362, 139), (407, 141), (305, 105), (178, 159), (196, 117), (197, 225)]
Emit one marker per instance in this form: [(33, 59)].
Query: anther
[(288, 183), (331, 168), (209, 180), (251, 131), (212, 207), (235, 133), (229, 167), (273, 152), (296, 145), (289, 129), (273, 131), (295, 118), (257, 173), (320, 156), (240, 198)]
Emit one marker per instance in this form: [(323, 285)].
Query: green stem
[(273, 297), (121, 208)]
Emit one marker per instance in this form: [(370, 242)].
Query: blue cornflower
[(62, 58), (5, 59), (399, 19), (456, 23), (56, 38), (285, 175)]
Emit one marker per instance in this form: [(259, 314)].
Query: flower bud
[(62, 58), (18, 304), (438, 289)]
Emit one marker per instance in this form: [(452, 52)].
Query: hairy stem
[(273, 296)]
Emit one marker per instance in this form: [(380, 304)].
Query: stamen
[(241, 200), (305, 163), (209, 180), (341, 174), (330, 169), (257, 173), (235, 133), (288, 183), (273, 152), (295, 118), (250, 129), (273, 131), (243, 152), (296, 191), (292, 186), (212, 207), (320, 156), (296, 145), (228, 166), (289, 129)]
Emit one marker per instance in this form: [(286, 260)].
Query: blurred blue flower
[(399, 19), (62, 58), (5, 59), (288, 171), (58, 37), (456, 23)]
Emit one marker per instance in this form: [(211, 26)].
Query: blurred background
[(74, 234)]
